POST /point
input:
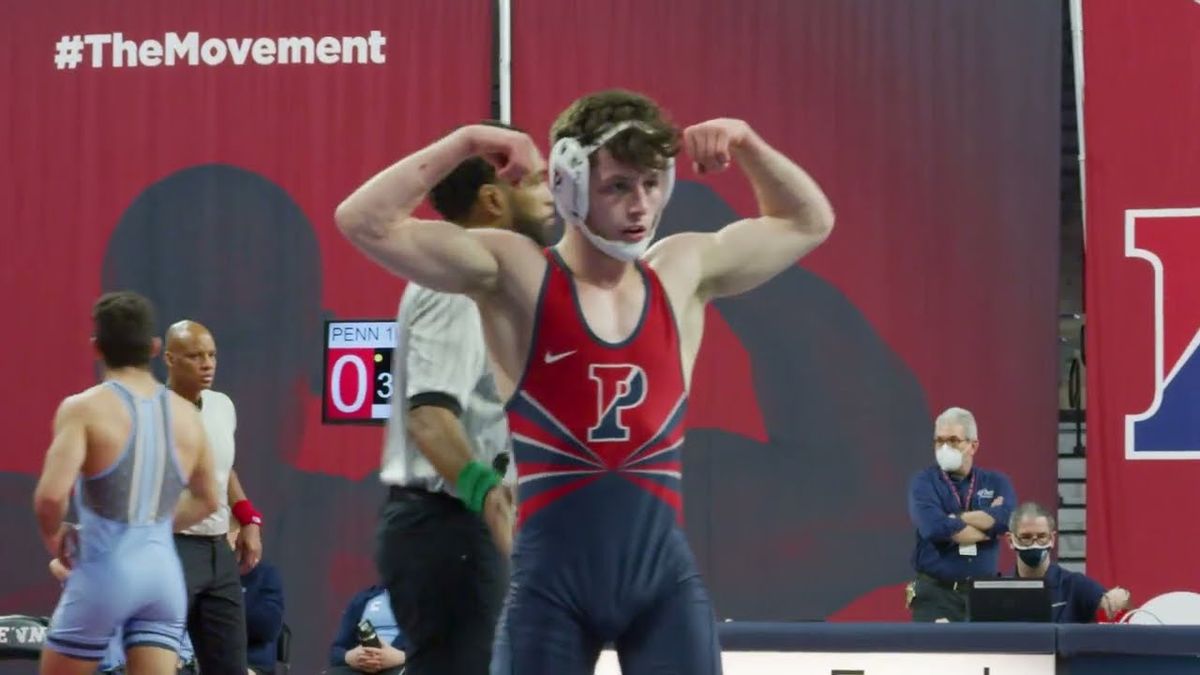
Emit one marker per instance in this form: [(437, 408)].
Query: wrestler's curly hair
[(590, 116)]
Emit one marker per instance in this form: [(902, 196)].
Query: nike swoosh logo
[(551, 357), (1059, 604)]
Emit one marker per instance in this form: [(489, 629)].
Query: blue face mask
[(1034, 557)]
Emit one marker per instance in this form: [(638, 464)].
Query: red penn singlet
[(597, 426)]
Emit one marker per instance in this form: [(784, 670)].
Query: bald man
[(216, 619)]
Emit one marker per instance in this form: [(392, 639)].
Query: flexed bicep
[(378, 217), (795, 216)]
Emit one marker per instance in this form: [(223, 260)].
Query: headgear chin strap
[(569, 171)]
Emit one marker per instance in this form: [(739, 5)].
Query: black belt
[(211, 538), (404, 493), (960, 586)]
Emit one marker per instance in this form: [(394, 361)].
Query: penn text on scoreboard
[(357, 388)]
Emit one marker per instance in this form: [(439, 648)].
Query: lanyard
[(966, 504)]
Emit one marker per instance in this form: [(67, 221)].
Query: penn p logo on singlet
[(619, 387)]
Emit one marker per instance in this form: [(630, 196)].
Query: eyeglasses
[(950, 440), (1032, 539)]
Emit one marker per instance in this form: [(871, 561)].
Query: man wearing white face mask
[(959, 512), (1074, 597)]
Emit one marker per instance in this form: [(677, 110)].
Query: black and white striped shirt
[(440, 351)]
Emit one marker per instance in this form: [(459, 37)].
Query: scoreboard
[(358, 371)]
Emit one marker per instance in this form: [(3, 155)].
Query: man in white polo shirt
[(216, 619), (442, 539)]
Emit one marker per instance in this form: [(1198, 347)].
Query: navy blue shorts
[(675, 635)]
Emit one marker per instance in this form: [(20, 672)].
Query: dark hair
[(455, 194), (123, 324), (590, 116)]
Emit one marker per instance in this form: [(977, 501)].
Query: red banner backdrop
[(934, 129), (1142, 100), (196, 153)]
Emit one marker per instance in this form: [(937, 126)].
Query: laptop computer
[(1008, 600)]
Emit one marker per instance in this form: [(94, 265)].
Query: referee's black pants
[(216, 620), (446, 580)]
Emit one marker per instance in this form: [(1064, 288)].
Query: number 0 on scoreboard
[(358, 371)]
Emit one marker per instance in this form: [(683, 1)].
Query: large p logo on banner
[(1169, 239)]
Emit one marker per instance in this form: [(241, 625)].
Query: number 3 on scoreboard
[(384, 391)]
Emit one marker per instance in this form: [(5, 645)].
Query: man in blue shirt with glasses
[(1074, 598), (959, 511)]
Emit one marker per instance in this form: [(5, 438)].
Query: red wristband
[(246, 514)]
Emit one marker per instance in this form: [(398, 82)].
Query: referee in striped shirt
[(444, 570)]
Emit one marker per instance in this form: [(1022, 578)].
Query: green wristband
[(474, 482)]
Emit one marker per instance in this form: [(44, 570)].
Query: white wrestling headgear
[(569, 170)]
